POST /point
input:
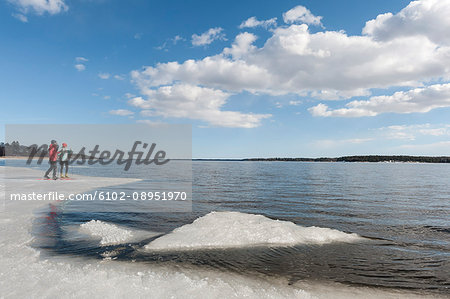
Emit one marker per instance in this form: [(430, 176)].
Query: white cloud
[(106, 97), (194, 102), (290, 103), (399, 132), (80, 67), (171, 41), (81, 59), (411, 132), (40, 7), (414, 100), (329, 65), (358, 140), (162, 47), (333, 143), (20, 17), (150, 122), (119, 77), (326, 65), (137, 36), (329, 95), (441, 148), (104, 76), (301, 14), (242, 46), (208, 37), (121, 112), (253, 22), (435, 132), (176, 39), (428, 18)]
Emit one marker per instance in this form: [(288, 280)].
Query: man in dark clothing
[(52, 157)]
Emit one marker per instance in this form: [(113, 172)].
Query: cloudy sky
[(254, 78)]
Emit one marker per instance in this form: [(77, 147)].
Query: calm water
[(402, 209)]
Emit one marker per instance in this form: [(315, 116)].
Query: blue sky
[(325, 78)]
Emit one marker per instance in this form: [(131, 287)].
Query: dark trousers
[(52, 167), (61, 166)]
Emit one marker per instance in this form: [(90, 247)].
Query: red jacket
[(52, 152)]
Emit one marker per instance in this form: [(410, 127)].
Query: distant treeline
[(371, 158), (15, 149)]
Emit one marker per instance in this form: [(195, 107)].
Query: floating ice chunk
[(234, 229), (109, 233)]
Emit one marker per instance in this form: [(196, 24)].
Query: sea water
[(381, 225)]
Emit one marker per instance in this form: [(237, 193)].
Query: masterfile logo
[(105, 157)]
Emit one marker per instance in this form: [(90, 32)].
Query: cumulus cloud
[(253, 22), (104, 76), (80, 67), (429, 18), (242, 46), (329, 65), (40, 7), (301, 14), (121, 112), (414, 100), (208, 37), (194, 102)]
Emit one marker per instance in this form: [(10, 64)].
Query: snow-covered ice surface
[(235, 229), (109, 234), (24, 273)]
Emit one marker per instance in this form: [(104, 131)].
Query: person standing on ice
[(52, 157), (64, 155)]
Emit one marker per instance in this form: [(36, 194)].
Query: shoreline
[(16, 158), (343, 159)]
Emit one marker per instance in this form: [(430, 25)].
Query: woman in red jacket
[(52, 157)]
